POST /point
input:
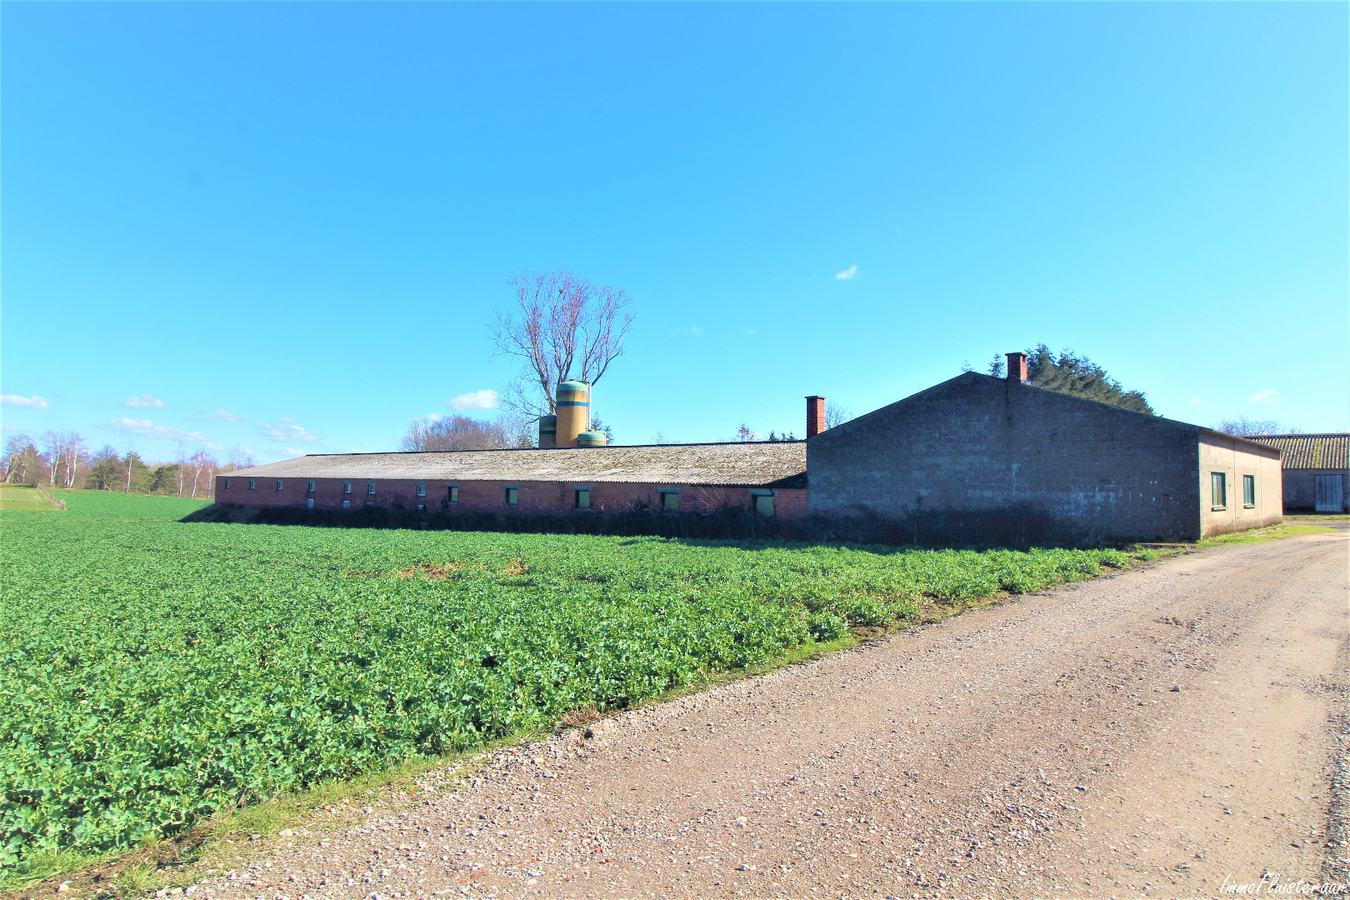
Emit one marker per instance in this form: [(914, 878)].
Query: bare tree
[(458, 433), (21, 459), (1245, 427), (204, 466), (52, 440), (836, 414), (73, 456), (744, 434), (561, 326), (241, 459)]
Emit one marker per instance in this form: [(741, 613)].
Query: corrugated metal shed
[(1310, 451), (759, 463)]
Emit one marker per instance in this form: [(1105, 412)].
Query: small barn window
[(252, 484), (346, 504), (370, 487), (670, 499), (346, 487), (1218, 489), (512, 495), (309, 502), (582, 498), (278, 484), (370, 504), (763, 502), (421, 507), (453, 492), (1249, 491), (421, 489), (227, 484), (311, 485)]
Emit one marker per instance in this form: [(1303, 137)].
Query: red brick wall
[(490, 496)]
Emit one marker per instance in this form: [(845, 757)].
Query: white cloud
[(145, 401), (850, 272), (1195, 400), (694, 329), (147, 428), (752, 331), (429, 419), (1266, 396), (285, 429), (219, 415), (484, 399), (14, 400)]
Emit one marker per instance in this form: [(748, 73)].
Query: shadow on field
[(1012, 527)]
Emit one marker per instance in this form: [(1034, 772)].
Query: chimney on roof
[(1017, 368), (815, 416)]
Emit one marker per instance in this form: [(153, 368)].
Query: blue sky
[(286, 227)]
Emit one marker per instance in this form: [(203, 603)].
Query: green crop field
[(17, 497), (155, 672)]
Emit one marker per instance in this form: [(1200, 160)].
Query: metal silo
[(548, 432), (592, 439), (574, 411)]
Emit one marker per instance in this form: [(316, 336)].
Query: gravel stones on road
[(1151, 732)]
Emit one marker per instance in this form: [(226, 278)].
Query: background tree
[(460, 433), (836, 414), (135, 474), (996, 368), (22, 460), (744, 434), (560, 327), (1079, 376), (105, 470), (1245, 427)]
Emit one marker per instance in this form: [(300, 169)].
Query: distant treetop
[(1079, 376)]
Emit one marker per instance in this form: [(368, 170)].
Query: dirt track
[(1153, 733)]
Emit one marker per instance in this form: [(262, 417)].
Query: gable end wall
[(980, 444)]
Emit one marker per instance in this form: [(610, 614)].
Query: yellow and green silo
[(548, 432), (574, 411)]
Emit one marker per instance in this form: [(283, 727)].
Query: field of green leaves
[(154, 672)]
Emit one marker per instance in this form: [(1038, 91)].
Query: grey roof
[(1310, 451), (779, 463)]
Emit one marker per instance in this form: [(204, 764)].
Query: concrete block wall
[(1235, 458), (1300, 492), (977, 443), (490, 496)]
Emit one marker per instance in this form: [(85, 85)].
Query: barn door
[(1327, 493)]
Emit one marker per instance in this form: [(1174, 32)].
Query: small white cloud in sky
[(751, 331), (850, 272), (145, 401), (147, 428), (1195, 400), (428, 419), (14, 400), (286, 430), (484, 399), (694, 329), (1266, 396), (221, 415)]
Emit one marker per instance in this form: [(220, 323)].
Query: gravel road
[(1158, 733)]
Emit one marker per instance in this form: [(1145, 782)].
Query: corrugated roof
[(1310, 451), (780, 463)]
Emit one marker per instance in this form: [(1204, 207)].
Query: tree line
[(61, 460)]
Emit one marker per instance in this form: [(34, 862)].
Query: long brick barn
[(974, 445)]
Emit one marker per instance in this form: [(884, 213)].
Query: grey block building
[(977, 445), (1316, 470)]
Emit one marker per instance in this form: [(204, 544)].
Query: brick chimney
[(1017, 368), (815, 416)]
